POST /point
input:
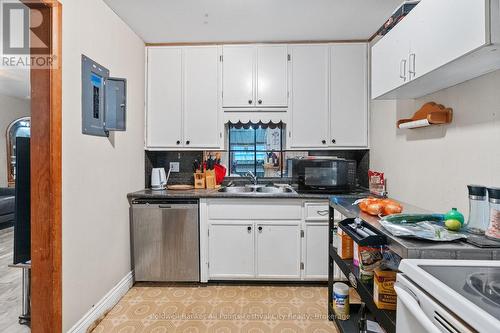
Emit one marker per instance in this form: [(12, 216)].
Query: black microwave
[(324, 175)]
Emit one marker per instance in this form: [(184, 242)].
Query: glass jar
[(493, 230), (478, 210)]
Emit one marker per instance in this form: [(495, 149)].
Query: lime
[(453, 224)]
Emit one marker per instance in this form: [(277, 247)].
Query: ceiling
[(162, 21)]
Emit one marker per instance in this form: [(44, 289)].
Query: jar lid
[(477, 190), (494, 192), (341, 288)]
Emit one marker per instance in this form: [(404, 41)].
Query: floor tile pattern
[(220, 309)]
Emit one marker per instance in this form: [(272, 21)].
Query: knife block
[(199, 180), (210, 179)]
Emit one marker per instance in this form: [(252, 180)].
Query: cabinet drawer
[(257, 210), (316, 211)]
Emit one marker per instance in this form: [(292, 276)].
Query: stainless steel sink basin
[(237, 189), (257, 190), (273, 189)]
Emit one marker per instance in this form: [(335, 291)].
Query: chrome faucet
[(252, 176)]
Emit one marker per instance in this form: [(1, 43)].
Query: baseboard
[(105, 304)]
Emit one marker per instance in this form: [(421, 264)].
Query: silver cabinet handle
[(322, 212), (402, 69), (411, 66)]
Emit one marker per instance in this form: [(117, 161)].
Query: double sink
[(258, 189)]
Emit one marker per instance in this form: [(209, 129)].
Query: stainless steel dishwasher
[(165, 240)]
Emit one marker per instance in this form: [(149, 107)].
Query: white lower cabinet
[(278, 250), (254, 239), (316, 251), (231, 250)]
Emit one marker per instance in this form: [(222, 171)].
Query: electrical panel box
[(103, 100), (116, 104)]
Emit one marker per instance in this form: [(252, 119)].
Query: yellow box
[(384, 294)]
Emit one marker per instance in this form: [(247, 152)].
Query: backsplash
[(162, 159)]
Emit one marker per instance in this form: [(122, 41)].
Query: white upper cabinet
[(428, 51), (309, 94), (349, 95), (164, 97), (202, 125), (390, 61), (272, 87), (254, 76), (238, 76), (183, 98)]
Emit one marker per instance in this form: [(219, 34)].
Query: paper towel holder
[(429, 114)]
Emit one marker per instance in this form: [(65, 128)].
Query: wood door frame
[(46, 177)]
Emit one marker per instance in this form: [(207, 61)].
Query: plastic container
[(478, 210), (341, 300), (493, 230), (454, 214)]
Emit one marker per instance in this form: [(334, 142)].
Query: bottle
[(478, 210), (493, 230)]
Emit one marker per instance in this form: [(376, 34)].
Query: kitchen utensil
[(158, 179), (220, 173), (478, 207), (493, 230)]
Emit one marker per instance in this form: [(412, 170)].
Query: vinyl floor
[(10, 286), (220, 308)]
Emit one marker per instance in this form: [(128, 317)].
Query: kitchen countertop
[(214, 193), (414, 248)]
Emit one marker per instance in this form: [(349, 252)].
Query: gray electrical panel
[(116, 104), (103, 100)]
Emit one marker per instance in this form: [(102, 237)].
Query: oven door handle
[(413, 305)]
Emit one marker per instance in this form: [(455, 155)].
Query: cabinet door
[(278, 250), (238, 76), (164, 98), (309, 96), (390, 60), (231, 250), (272, 85), (434, 43), (202, 127), (316, 251), (348, 95)]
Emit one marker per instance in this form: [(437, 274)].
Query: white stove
[(458, 296)]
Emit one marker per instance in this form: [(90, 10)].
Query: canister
[(341, 300), (493, 230), (478, 210)]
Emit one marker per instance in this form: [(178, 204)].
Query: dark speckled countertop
[(214, 193)]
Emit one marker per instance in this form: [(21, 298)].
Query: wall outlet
[(174, 166)]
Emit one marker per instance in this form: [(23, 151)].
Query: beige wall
[(11, 108), (98, 172), (430, 167)]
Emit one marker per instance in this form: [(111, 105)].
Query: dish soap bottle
[(454, 214)]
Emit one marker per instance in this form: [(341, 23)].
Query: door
[(278, 250), (272, 85), (390, 60), (309, 96), (316, 251), (238, 75), (202, 120), (231, 250), (348, 95), (164, 98), (434, 43)]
